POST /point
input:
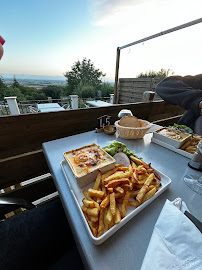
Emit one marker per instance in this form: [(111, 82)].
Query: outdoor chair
[(39, 238)]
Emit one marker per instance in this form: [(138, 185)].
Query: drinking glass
[(193, 181)]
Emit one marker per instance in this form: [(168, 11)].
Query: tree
[(15, 83), (85, 91), (83, 73), (53, 91), (106, 89), (12, 91), (3, 88), (163, 73)]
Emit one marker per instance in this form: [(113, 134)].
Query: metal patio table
[(126, 248), (49, 107)]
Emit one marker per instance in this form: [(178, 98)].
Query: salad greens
[(182, 128), (117, 147)]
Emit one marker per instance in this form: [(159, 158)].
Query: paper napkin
[(176, 243)]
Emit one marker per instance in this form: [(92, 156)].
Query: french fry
[(187, 143), (107, 174), (104, 190), (105, 202), (118, 175), (111, 223), (157, 175), (124, 204), (119, 195), (117, 217), (132, 179), (156, 183), (123, 169), (127, 186), (108, 216), (140, 162), (85, 193), (97, 181), (119, 165), (134, 193), (136, 160), (134, 166), (135, 175), (98, 199), (90, 211), (141, 182), (105, 218), (130, 170), (95, 193), (112, 203), (101, 223), (119, 189), (141, 170), (116, 182), (90, 204), (133, 203), (93, 219), (110, 189), (144, 188), (149, 194), (143, 177), (150, 171), (91, 225)]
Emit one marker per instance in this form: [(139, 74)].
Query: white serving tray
[(170, 141), (172, 148), (78, 196)]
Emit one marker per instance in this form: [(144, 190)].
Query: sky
[(44, 38)]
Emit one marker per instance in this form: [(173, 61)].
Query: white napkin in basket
[(176, 243)]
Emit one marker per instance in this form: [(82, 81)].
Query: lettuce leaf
[(182, 128), (117, 147)]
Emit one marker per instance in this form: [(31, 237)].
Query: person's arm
[(179, 90), (1, 51), (1, 47)]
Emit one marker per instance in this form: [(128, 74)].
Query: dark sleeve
[(183, 91)]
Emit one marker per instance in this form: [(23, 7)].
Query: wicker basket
[(131, 132)]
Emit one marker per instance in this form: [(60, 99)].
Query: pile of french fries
[(191, 145), (106, 203)]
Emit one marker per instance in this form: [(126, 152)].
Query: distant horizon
[(39, 77), (32, 77)]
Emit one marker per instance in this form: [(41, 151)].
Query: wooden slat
[(129, 89), (24, 133), (168, 121), (23, 167), (31, 193), (135, 79)]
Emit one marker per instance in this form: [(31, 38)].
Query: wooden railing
[(21, 138)]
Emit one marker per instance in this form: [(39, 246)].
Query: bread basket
[(132, 132)]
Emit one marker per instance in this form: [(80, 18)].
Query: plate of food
[(186, 146), (115, 196)]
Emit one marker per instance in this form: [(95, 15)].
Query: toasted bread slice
[(129, 121)]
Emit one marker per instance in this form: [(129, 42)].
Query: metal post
[(115, 101), (13, 106), (74, 101)]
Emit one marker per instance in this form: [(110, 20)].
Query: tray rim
[(172, 148), (116, 227)]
